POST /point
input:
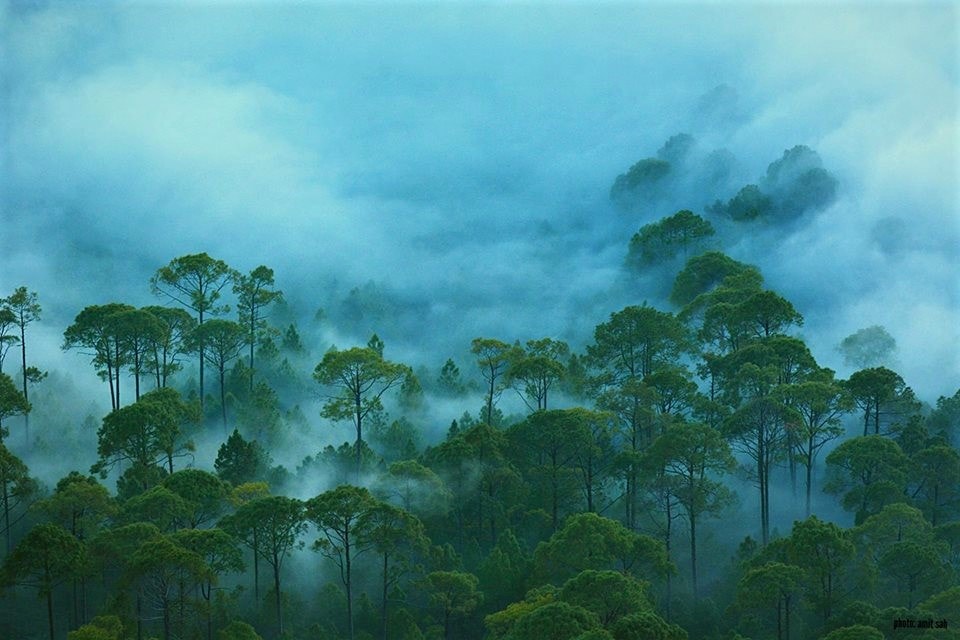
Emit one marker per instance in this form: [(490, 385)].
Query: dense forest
[(608, 503), (479, 321)]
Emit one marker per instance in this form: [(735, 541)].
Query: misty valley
[(479, 321), (691, 471)]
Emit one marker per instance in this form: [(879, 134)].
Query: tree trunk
[(50, 611), (693, 552), (346, 551), (253, 332), (26, 416), (359, 434), (223, 399), (383, 608), (256, 568), (113, 397), (667, 543), (6, 514), (276, 589)]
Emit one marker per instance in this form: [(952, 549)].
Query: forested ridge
[(522, 489)]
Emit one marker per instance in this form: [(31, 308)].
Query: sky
[(459, 156)]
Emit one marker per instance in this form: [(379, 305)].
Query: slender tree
[(95, 331), (195, 282), (16, 488), (254, 293), (173, 341), (343, 516), (12, 402), (360, 377), (273, 526), (693, 454), (819, 406), (493, 358), (220, 342), (26, 309), (8, 326)]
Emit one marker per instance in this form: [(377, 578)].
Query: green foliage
[(589, 541), (194, 281), (854, 632), (100, 628), (869, 472), (450, 383), (145, 432), (554, 621), (534, 371), (12, 402), (415, 488), (704, 273), (240, 461), (359, 378), (642, 180), (869, 347), (494, 358), (204, 494), (665, 239), (609, 595), (238, 630), (453, 594), (79, 503), (646, 625), (880, 391), (750, 203), (16, 489)]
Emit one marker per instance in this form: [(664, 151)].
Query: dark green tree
[(693, 455), (145, 433), (47, 556), (453, 594), (663, 240), (96, 331), (12, 403), (204, 493), (221, 554), (343, 516), (138, 332), (239, 461), (819, 406), (868, 472), (272, 526), (396, 537), (16, 489), (877, 391), (774, 586)]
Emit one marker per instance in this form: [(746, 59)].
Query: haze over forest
[(436, 173)]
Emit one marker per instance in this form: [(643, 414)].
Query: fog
[(459, 158)]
